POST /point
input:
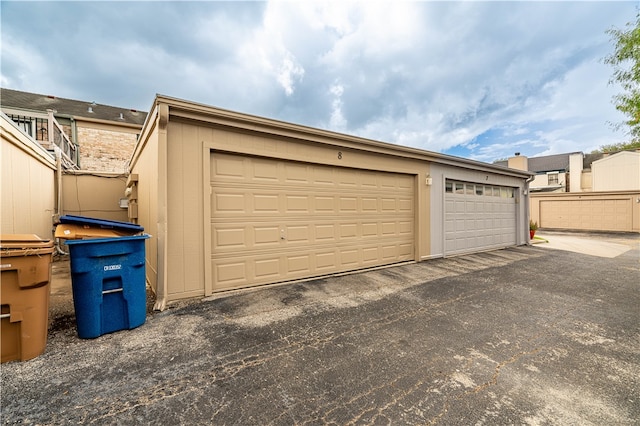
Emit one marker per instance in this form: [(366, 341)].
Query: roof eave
[(277, 127)]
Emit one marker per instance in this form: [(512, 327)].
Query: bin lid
[(108, 240), (24, 244), (131, 228), (70, 231)]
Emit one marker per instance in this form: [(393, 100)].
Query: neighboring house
[(95, 137), (593, 192), (617, 172), (578, 172), (553, 173), (233, 200)]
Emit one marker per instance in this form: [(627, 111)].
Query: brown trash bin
[(25, 265)]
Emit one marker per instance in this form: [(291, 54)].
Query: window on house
[(459, 188), (552, 178), (448, 187), (470, 189), (479, 189)]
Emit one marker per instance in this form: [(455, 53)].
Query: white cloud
[(337, 121), (23, 67), (267, 49), (480, 77), (289, 72)]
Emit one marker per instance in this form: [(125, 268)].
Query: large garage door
[(275, 221), (478, 217), (598, 215)]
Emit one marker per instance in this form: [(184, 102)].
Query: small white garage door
[(587, 214), (274, 220), (478, 217)]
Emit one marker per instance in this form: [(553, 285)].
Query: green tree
[(626, 64), (622, 146)]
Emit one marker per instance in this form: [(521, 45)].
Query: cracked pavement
[(517, 336)]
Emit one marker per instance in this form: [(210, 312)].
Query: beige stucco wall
[(93, 195), (146, 165), (628, 199), (172, 159), (575, 172), (617, 172), (586, 181), (542, 181), (187, 147), (28, 184)]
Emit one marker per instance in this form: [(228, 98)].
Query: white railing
[(58, 137)]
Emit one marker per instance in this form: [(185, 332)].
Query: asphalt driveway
[(530, 335)]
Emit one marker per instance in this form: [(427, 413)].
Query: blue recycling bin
[(108, 283), (130, 228)]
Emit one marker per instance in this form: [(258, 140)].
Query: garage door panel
[(235, 271), (297, 233), (325, 204), (228, 167), (262, 236), (348, 205), (250, 204), (267, 268), (296, 172), (237, 238), (230, 237), (348, 230), (306, 219), (264, 203), (478, 217), (349, 258), (598, 215), (229, 202), (298, 263), (322, 176)]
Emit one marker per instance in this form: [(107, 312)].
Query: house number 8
[(339, 155)]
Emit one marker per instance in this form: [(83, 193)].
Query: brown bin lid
[(70, 231), (23, 242)]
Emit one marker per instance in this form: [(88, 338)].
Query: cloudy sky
[(476, 79)]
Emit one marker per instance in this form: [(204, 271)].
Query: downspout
[(527, 212)]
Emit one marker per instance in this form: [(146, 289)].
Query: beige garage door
[(275, 220), (478, 217), (597, 215)]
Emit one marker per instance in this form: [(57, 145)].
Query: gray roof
[(590, 158), (547, 163), (40, 103)]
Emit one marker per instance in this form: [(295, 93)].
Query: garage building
[(233, 201)]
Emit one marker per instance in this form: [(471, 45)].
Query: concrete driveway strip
[(603, 245), (517, 336)]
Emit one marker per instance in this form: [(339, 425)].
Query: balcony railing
[(58, 137), (48, 132)]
